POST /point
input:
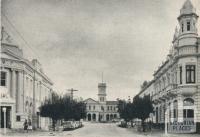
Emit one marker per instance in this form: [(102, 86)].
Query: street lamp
[(166, 121), (4, 113)]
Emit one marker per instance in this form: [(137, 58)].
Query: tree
[(51, 108), (79, 110), (73, 109), (126, 110), (58, 108), (143, 107), (144, 84)]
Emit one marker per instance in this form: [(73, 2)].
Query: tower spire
[(102, 77)]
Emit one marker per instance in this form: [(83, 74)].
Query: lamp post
[(166, 120), (4, 113)]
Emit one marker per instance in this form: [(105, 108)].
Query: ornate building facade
[(175, 89), (23, 87), (101, 110)]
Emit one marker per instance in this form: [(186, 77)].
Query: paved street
[(100, 130)]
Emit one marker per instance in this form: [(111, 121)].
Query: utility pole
[(72, 92)]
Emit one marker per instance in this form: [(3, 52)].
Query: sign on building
[(187, 126)]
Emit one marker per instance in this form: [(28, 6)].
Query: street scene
[(98, 130), (100, 68)]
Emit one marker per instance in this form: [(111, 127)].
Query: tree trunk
[(54, 124), (143, 126), (131, 123)]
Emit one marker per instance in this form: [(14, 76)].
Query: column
[(97, 117), (13, 93), (8, 81), (178, 75), (183, 74), (19, 102), (172, 110), (180, 108)]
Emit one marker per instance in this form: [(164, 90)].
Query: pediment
[(91, 101)]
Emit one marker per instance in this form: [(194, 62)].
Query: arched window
[(188, 113), (175, 111), (169, 110), (188, 102), (89, 117)]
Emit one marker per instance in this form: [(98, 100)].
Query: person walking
[(26, 125), (30, 125)]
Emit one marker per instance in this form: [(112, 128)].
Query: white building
[(175, 88), (101, 110), (23, 87)]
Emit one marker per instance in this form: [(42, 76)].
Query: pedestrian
[(26, 126), (30, 125)]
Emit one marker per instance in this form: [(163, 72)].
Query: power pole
[(72, 92)]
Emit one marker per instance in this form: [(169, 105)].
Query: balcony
[(166, 93), (188, 90)]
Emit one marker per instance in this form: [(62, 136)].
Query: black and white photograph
[(100, 68)]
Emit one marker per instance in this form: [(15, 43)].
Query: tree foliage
[(144, 84), (139, 108), (58, 108), (143, 107), (126, 110)]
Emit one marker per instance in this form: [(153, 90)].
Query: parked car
[(115, 120), (68, 125)]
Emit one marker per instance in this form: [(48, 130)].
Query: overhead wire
[(20, 35)]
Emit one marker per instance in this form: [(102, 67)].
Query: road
[(99, 130), (112, 130)]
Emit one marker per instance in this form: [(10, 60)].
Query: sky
[(78, 40)]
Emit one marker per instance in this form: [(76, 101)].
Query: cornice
[(186, 15)]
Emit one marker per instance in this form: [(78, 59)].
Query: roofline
[(149, 84), (91, 99), (160, 67), (28, 63)]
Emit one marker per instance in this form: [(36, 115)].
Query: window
[(180, 75), (175, 113), (188, 113), (182, 27), (102, 99), (18, 118), (110, 107), (188, 26), (107, 107), (93, 107), (190, 73), (3, 78), (89, 107), (175, 110), (188, 102), (102, 108)]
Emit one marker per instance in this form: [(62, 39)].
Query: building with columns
[(23, 87), (175, 89), (101, 110)]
